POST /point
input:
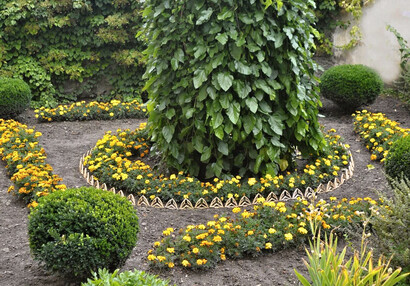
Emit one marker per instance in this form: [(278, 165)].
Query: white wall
[(379, 48)]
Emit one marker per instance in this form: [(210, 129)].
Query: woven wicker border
[(347, 173)]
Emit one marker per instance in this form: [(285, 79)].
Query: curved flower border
[(216, 202)]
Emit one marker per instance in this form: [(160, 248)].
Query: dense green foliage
[(398, 159), (77, 231), (231, 84), (64, 48), (351, 86), (392, 225), (15, 97), (131, 278), (403, 83)]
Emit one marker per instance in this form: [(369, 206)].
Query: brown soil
[(65, 142)]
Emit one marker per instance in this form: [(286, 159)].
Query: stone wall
[(379, 48)]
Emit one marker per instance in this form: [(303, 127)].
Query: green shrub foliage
[(231, 84), (64, 48), (80, 230), (391, 225), (351, 86), (398, 159), (15, 97), (134, 278)]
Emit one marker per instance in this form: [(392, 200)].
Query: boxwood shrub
[(77, 231), (351, 86), (398, 159), (15, 97)]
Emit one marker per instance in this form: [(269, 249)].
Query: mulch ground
[(66, 142)]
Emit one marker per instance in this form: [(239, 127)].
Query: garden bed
[(65, 142)]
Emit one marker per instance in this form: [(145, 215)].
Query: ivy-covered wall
[(65, 48)]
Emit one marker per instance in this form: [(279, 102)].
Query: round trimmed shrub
[(351, 86), (77, 231), (15, 97), (398, 159)]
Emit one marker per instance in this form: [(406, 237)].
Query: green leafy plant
[(351, 86), (391, 224), (15, 97), (64, 49), (403, 84), (398, 159), (77, 231), (328, 266), (131, 278), (231, 85)]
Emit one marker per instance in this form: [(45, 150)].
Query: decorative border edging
[(347, 173)]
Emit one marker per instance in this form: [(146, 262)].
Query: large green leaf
[(252, 103), (225, 80), (199, 78), (168, 132), (204, 16)]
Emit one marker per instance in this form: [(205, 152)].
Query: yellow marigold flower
[(236, 210), (161, 258), (251, 181), (171, 265), (201, 261), (171, 250), (250, 232), (268, 245), (185, 263), (111, 114), (187, 238), (223, 257), (373, 157), (272, 230), (157, 243), (288, 236), (195, 250), (152, 257), (172, 177), (302, 230), (217, 238)]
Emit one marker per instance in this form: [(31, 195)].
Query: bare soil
[(65, 142)]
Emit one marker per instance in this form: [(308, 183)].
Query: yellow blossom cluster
[(25, 162), (93, 110), (118, 161), (377, 132), (269, 226)]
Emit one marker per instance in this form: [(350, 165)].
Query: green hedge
[(351, 86), (77, 231), (15, 97)]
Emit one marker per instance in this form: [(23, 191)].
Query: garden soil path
[(66, 142)]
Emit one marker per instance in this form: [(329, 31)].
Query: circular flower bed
[(119, 161), (269, 226)]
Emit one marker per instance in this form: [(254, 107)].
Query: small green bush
[(391, 225), (77, 231), (134, 278), (398, 159), (351, 86), (15, 97)]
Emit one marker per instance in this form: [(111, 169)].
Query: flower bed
[(269, 226), (114, 109), (377, 132), (25, 162), (113, 163)]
